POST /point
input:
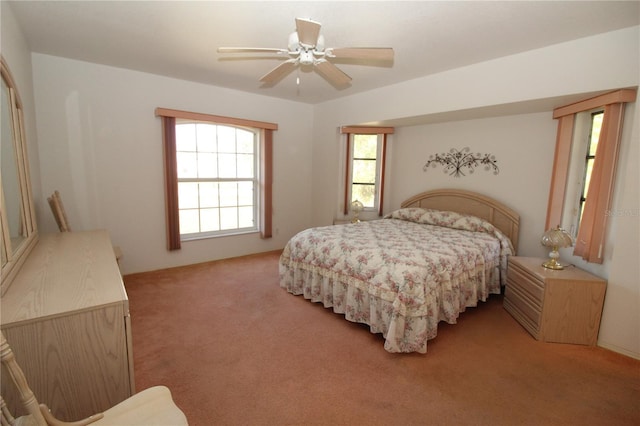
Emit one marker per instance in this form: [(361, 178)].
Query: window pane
[(187, 195), (228, 194), (186, 137), (245, 193), (587, 176), (245, 165), (207, 165), (364, 171), (365, 146), (364, 193), (206, 137), (245, 217), (187, 163), (596, 125), (245, 141), (189, 221), (209, 220), (227, 165), (208, 194), (228, 218), (226, 139)]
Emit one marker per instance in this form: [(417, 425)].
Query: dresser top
[(570, 272), (65, 273)]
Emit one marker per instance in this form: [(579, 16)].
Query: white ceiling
[(179, 38)]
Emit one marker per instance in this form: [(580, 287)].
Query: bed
[(441, 252)]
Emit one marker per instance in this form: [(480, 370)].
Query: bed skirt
[(403, 331)]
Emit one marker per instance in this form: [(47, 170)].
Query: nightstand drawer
[(523, 304), (525, 283)]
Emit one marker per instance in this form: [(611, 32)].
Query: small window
[(563, 205), (586, 134), (366, 149), (365, 170), (595, 125), (217, 168)]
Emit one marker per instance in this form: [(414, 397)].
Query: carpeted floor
[(236, 349)]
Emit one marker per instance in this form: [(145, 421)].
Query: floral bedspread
[(401, 275)]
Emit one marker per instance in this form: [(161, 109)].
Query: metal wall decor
[(456, 162)]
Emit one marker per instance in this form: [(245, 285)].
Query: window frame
[(590, 237), (381, 132), (255, 180), (265, 148), (378, 172), (576, 173)]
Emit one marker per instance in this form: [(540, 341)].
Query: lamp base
[(553, 264)]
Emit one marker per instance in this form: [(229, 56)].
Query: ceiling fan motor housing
[(306, 57)]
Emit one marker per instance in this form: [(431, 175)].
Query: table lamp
[(555, 238), (356, 207)]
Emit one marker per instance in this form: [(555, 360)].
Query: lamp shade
[(356, 207), (555, 238)]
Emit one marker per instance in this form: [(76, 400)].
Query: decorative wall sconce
[(455, 162)]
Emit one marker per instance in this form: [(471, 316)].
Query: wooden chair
[(55, 202), (153, 406)]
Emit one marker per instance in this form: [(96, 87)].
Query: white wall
[(100, 146), (522, 143), (620, 326)]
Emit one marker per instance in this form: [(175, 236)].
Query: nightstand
[(562, 306)]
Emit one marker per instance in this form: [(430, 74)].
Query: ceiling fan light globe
[(294, 43)]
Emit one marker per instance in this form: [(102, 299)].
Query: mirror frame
[(15, 257)]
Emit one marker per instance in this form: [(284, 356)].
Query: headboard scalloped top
[(467, 202)]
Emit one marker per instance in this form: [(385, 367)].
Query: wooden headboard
[(467, 202)]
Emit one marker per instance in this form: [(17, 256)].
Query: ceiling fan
[(306, 48)]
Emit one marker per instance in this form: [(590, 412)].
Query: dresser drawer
[(526, 283)]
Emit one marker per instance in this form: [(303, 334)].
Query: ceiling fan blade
[(375, 53), (250, 50), (332, 73), (308, 31), (279, 72)]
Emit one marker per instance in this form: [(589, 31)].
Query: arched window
[(218, 175)]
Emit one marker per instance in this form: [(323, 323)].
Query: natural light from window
[(594, 136), (217, 169), (365, 175)]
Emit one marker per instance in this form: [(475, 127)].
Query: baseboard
[(618, 349)]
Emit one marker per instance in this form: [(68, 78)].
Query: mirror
[(17, 219)]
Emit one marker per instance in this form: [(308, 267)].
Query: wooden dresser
[(66, 316), (554, 306)]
